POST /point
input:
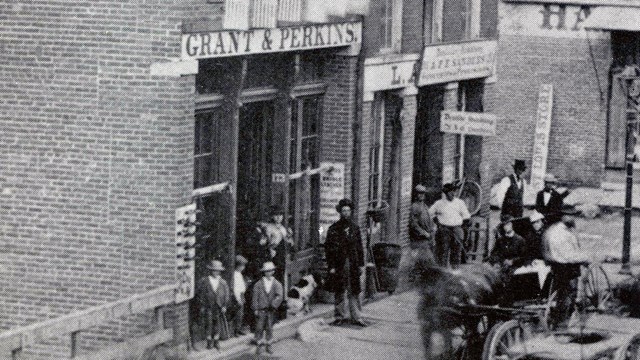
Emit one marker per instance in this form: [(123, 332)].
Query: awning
[(621, 18)]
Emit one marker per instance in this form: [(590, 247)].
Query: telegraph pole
[(630, 85)]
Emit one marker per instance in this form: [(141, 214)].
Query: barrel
[(387, 259)]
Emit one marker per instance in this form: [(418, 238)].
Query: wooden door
[(255, 145)]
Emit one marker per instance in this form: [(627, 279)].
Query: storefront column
[(408, 123), (229, 150), (449, 141)]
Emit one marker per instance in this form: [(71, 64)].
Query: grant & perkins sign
[(260, 41)]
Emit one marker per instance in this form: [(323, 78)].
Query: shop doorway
[(255, 153)]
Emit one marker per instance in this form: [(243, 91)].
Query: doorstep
[(284, 329)]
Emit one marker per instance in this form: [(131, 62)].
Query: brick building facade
[(546, 43), (117, 113)]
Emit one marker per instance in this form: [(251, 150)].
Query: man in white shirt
[(449, 215), (562, 252)]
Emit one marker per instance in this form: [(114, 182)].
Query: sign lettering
[(331, 192), (541, 137), (259, 41), (468, 123), (381, 74), (455, 62)]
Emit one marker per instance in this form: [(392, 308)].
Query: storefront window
[(375, 151), (206, 165), (304, 193)]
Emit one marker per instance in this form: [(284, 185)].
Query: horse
[(445, 294)]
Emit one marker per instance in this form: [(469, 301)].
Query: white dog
[(300, 295)]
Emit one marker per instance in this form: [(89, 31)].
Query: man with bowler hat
[(449, 215), (550, 200), (212, 293), (345, 259), (513, 188)]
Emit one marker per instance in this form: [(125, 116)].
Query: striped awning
[(621, 18)]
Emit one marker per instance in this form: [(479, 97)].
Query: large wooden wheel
[(506, 338), (596, 288), (472, 336)]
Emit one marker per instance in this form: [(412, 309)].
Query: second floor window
[(386, 24)]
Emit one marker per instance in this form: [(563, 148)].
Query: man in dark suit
[(513, 187), (345, 259), (549, 201), (268, 295), (212, 294)]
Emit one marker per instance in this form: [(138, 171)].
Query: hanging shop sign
[(468, 123), (455, 62), (385, 74), (331, 192), (260, 41), (541, 137)]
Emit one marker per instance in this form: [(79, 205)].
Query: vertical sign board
[(185, 240), (331, 192), (541, 137)]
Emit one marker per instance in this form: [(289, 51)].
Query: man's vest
[(512, 203)]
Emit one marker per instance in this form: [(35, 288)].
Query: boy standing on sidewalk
[(267, 298)]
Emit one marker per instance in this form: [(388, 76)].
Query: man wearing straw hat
[(212, 294), (267, 296), (420, 224)]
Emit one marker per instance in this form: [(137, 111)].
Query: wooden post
[(74, 344)]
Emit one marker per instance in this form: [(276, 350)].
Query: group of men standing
[(439, 230)]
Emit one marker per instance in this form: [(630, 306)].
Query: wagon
[(495, 332), (594, 332)]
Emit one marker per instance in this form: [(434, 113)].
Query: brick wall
[(95, 157), (577, 66)]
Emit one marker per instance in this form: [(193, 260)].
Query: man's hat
[(344, 202), (241, 260), (215, 265), (535, 216), (276, 210), (448, 187), (519, 164), (420, 189), (550, 178), (268, 266)]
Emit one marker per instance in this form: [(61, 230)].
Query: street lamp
[(630, 82)]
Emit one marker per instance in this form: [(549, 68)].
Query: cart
[(491, 332)]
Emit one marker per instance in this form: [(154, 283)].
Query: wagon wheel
[(550, 303), (472, 337), (630, 350), (596, 288), (504, 336)]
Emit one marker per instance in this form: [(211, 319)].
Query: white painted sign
[(547, 20), (185, 221), (406, 185), (384, 73), (541, 140), (455, 62), (468, 123), (448, 173), (331, 192), (259, 41)]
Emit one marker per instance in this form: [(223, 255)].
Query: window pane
[(310, 153), (203, 172), (293, 157)]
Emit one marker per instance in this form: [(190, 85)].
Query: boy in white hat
[(212, 293), (268, 295)]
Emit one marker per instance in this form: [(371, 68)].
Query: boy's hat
[(215, 265), (241, 260), (268, 266), (535, 216)]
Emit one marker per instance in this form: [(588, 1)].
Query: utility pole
[(630, 84)]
